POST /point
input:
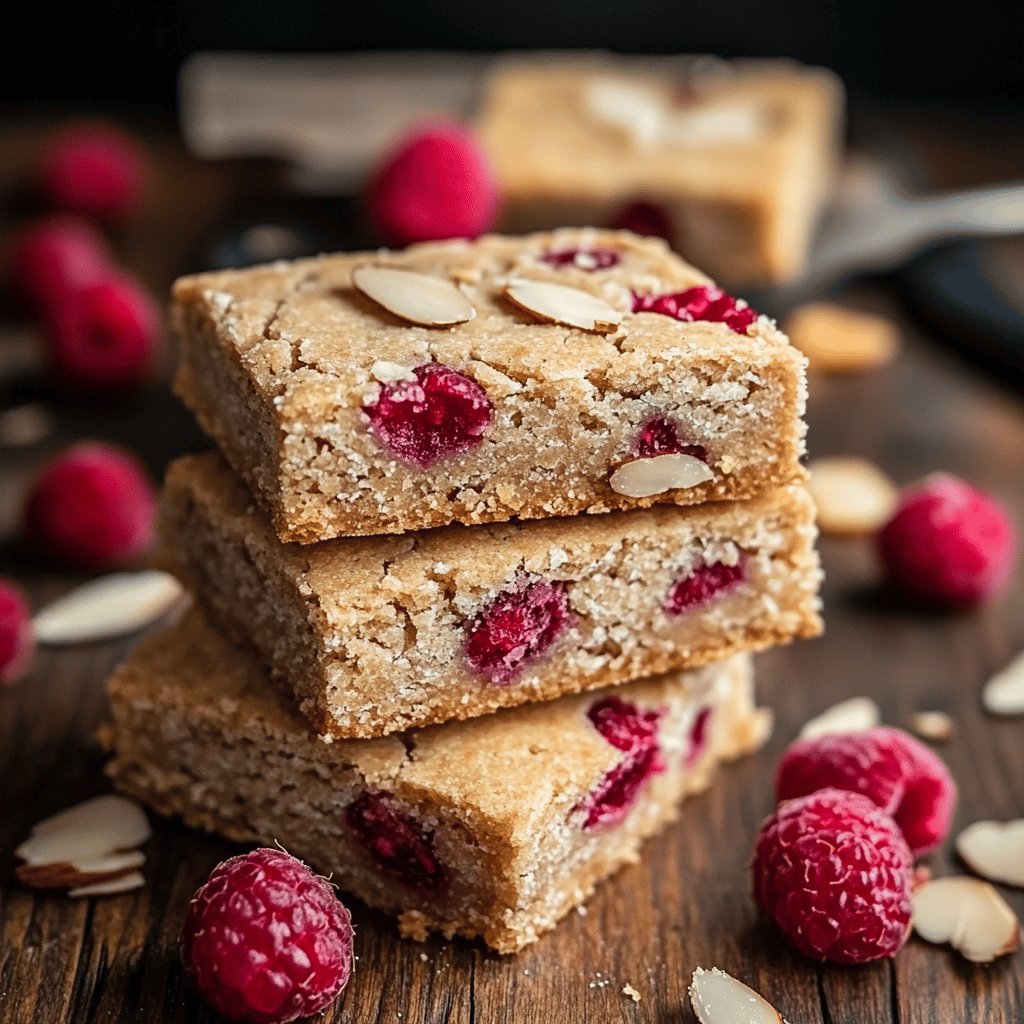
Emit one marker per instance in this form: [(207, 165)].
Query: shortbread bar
[(575, 371), (375, 635), (729, 161), (492, 828)]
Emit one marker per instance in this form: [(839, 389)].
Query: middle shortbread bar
[(374, 635)]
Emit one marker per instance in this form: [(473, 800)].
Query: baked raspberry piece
[(396, 843), (439, 414), (633, 730), (834, 873), (16, 644), (267, 941), (644, 219), (97, 170), (517, 626), (896, 772), (948, 544), (582, 259), (703, 585), (53, 256), (437, 184), (704, 302), (91, 507), (660, 436)]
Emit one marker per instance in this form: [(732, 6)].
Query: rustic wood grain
[(687, 902)]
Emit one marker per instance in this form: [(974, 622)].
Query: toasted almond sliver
[(968, 914), (994, 849), (68, 875), (935, 726), (118, 885), (387, 372), (718, 998), (840, 340), (418, 298), (853, 715), (643, 478), (852, 496), (110, 606), (561, 304), (1004, 692), (92, 829)]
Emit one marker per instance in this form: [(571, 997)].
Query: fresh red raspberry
[(697, 741), (834, 873), (437, 183), (97, 170), (91, 507), (517, 627), (267, 941), (396, 843), (704, 302), (16, 643), (888, 766), (660, 436), (582, 259), (104, 337), (53, 256), (646, 219), (948, 545), (703, 585), (633, 730), (439, 414)]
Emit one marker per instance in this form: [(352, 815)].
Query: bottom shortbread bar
[(493, 827)]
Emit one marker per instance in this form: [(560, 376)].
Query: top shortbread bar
[(474, 382)]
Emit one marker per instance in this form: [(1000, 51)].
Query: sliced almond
[(718, 998), (118, 885), (840, 340), (935, 726), (415, 297), (110, 606), (89, 830), (994, 849), (561, 304), (853, 715), (1004, 692), (643, 478), (968, 914), (71, 874), (387, 372), (853, 497)]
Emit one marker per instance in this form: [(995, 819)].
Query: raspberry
[(517, 626), (834, 873), (104, 337), (703, 585), (54, 256), (697, 741), (582, 259), (396, 843), (660, 436), (438, 183), (16, 644), (888, 766), (439, 414), (948, 545), (97, 170), (645, 219), (266, 940), (705, 302), (91, 508), (634, 731)]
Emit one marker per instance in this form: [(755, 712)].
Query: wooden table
[(687, 903)]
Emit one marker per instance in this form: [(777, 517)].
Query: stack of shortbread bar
[(491, 533)]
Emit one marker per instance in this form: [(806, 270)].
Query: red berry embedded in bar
[(582, 259), (704, 302), (16, 643), (660, 436), (703, 585)]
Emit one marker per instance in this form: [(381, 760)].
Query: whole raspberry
[(582, 259), (703, 585), (97, 170), (396, 843), (633, 730), (91, 507), (266, 940), (437, 183), (16, 643), (104, 337), (834, 873), (54, 256), (660, 436), (439, 414), (896, 772), (644, 219), (517, 626), (704, 302), (948, 545)]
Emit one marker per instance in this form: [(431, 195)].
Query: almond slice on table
[(836, 339), (108, 607), (71, 874), (853, 715), (968, 914), (994, 849), (852, 496), (718, 998), (418, 298), (643, 478), (1004, 692), (935, 726), (562, 304), (111, 888)]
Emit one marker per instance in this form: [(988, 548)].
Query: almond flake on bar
[(1004, 692), (417, 298), (718, 998), (853, 497), (853, 715), (561, 304), (968, 914), (994, 849), (112, 888), (643, 478)]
